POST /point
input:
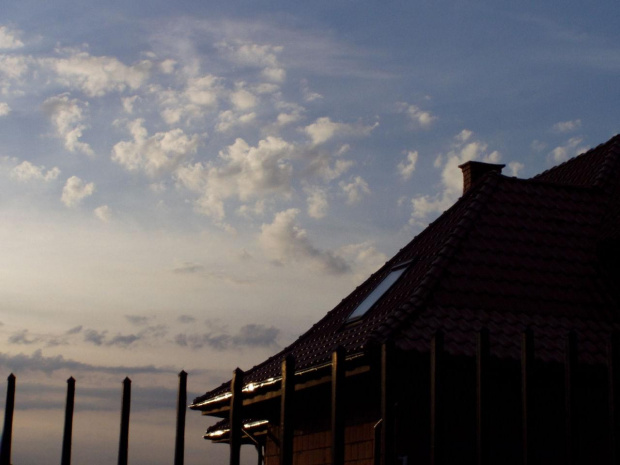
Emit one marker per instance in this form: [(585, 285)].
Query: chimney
[(474, 171)]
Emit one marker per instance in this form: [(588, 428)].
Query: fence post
[(437, 371), (527, 368), (179, 445), (123, 447), (483, 354), (7, 433), (286, 410), (338, 375), (68, 432), (236, 416)]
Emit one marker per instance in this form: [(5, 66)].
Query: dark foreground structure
[(489, 338)]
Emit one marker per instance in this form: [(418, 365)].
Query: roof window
[(377, 292)]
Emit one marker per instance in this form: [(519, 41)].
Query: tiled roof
[(510, 254)]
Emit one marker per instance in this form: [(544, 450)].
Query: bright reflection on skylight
[(377, 293)]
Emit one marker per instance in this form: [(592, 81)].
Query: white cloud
[(309, 96), (324, 129), (167, 66), (243, 99), (203, 90), (154, 155), (103, 213), (13, 66), (256, 55), (464, 148), (26, 171), (515, 168), (355, 190), (9, 39), (97, 75), (567, 126), (285, 242), (229, 119), (75, 191), (67, 116), (245, 172), (407, 167), (570, 149), (317, 202), (128, 103), (419, 118), (5, 109)]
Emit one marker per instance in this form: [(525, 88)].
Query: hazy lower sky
[(190, 185)]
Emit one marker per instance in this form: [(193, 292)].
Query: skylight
[(377, 293)]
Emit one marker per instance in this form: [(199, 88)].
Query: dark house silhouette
[(489, 338)]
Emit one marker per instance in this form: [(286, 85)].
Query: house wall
[(314, 448)]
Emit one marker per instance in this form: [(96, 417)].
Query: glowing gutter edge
[(253, 386), (221, 432)]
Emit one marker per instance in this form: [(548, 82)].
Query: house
[(489, 338)]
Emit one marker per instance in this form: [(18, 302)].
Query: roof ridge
[(602, 172), (478, 195)]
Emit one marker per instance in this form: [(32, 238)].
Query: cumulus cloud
[(419, 118), (154, 155), (5, 109), (317, 202), (407, 167), (186, 319), (567, 126), (355, 190), (97, 75), (515, 168), (285, 241), (229, 119), (244, 172), (67, 116), (138, 320), (255, 55), (75, 191), (26, 171), (9, 39), (103, 213), (21, 337), (13, 66), (463, 148), (243, 100), (568, 150), (324, 129)]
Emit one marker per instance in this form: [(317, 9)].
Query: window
[(377, 293)]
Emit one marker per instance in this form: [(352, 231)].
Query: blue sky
[(191, 185)]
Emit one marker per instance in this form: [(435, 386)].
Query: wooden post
[(68, 432), (483, 355), (123, 448), (286, 410), (527, 368), (338, 392), (377, 437), (613, 367), (7, 433), (387, 404), (436, 378), (236, 416), (570, 390), (179, 445)]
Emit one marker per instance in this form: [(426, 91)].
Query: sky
[(191, 185)]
